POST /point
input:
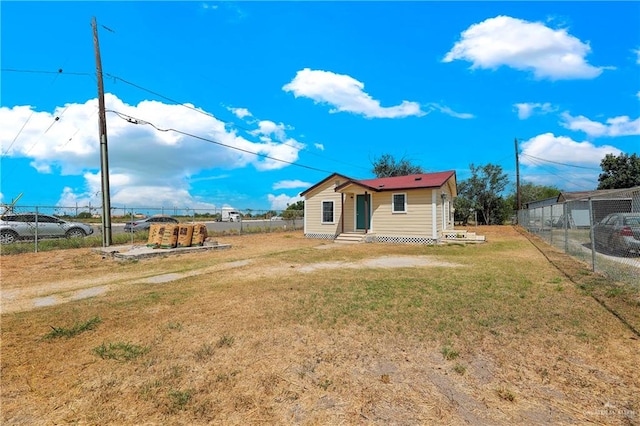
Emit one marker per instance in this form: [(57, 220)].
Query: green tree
[(622, 171), (464, 206), (387, 166), (483, 192), (299, 205), (294, 211), (531, 192)]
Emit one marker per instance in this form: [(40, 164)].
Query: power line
[(19, 133), (134, 120), (78, 129), (166, 98), (200, 111), (60, 71), (182, 104), (551, 172), (31, 115), (561, 164), (26, 153), (55, 120)]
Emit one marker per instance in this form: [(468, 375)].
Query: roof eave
[(303, 193)]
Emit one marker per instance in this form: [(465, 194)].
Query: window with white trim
[(327, 212), (399, 203)]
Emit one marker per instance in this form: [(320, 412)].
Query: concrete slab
[(142, 251)]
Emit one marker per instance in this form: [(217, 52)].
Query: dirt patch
[(407, 261), (382, 262), (19, 300)]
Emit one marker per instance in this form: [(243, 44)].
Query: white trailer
[(230, 215)]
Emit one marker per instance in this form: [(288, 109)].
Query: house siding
[(416, 222), (349, 213), (314, 228)]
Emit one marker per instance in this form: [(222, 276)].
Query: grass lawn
[(280, 329)]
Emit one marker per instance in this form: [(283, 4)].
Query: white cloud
[(528, 46), (449, 111), (217, 177), (289, 184), (240, 112), (128, 196), (345, 94), (268, 128), (526, 110), (638, 94), (287, 151), (43, 168), (147, 167), (637, 52), (612, 127), (561, 149), (320, 146), (280, 202)]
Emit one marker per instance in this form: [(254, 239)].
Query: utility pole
[(104, 156), (518, 202)]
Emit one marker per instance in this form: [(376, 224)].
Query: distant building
[(576, 205)]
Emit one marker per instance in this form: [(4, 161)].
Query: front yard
[(280, 329)]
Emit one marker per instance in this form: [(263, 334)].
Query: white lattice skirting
[(321, 236), (406, 240), (381, 239)]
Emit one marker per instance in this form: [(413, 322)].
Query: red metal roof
[(423, 180)]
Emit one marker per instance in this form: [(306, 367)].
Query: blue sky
[(312, 88)]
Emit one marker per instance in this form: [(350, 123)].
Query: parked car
[(618, 233), (143, 224), (274, 218), (19, 226)]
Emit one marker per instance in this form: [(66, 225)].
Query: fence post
[(131, 231), (565, 226), (36, 231), (593, 243), (551, 225)]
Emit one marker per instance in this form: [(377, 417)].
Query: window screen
[(399, 203), (327, 211)]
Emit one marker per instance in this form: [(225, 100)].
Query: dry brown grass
[(247, 337)]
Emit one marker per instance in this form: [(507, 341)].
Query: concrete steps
[(461, 235), (350, 238)]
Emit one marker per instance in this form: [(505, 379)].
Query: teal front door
[(363, 212)]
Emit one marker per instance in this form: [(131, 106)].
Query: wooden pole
[(102, 134), (518, 201)]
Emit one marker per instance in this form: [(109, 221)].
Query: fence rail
[(36, 223), (600, 230), (95, 211)]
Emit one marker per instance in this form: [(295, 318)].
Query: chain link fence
[(21, 223), (600, 228)]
